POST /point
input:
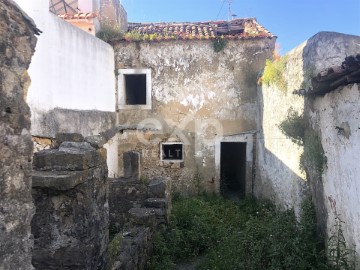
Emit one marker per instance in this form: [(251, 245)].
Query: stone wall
[(279, 178), (76, 92), (340, 180), (17, 43), (278, 175), (70, 191), (137, 210), (198, 96)]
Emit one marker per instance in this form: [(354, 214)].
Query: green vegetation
[(274, 73), (109, 32), (293, 127), (340, 256), (114, 249), (246, 235), (219, 44), (313, 156)]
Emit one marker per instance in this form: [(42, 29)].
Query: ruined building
[(185, 99)]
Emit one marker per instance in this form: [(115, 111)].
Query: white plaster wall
[(279, 177), (341, 179), (70, 68)]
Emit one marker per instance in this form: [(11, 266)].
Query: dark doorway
[(233, 169)]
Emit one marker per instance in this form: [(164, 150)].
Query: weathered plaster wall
[(198, 95), (17, 44), (340, 180), (73, 80), (278, 175), (70, 70)]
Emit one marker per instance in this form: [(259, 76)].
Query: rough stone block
[(68, 137), (134, 250), (123, 196), (132, 165), (58, 180), (68, 157), (96, 141), (157, 188), (156, 202), (70, 227), (142, 216)]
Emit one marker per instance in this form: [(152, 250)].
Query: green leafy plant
[(274, 73), (133, 36), (293, 127), (313, 156), (250, 234), (219, 44), (339, 255)]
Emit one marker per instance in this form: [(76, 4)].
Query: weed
[(314, 156), (293, 127), (340, 256), (247, 235), (219, 44), (274, 73), (114, 249), (109, 32)]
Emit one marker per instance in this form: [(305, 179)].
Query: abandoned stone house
[(186, 99)]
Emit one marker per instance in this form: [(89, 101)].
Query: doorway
[(233, 169)]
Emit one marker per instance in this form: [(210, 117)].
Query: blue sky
[(292, 21)]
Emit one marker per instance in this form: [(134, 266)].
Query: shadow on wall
[(338, 108), (275, 180)]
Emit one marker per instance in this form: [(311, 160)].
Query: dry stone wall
[(17, 43), (70, 191)]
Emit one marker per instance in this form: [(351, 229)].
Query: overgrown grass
[(245, 235)]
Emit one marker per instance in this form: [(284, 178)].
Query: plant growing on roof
[(219, 44), (109, 31)]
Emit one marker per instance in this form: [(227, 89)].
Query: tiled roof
[(234, 29), (78, 16), (333, 77)]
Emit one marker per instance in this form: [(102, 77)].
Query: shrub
[(274, 73), (293, 127), (109, 32), (219, 44), (314, 156)]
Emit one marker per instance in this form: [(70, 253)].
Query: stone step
[(71, 156), (58, 180), (156, 203), (142, 216)]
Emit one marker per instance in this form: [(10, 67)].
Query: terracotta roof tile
[(333, 77), (234, 29), (78, 16)]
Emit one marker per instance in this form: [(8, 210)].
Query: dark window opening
[(233, 169), (135, 89), (172, 151)]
